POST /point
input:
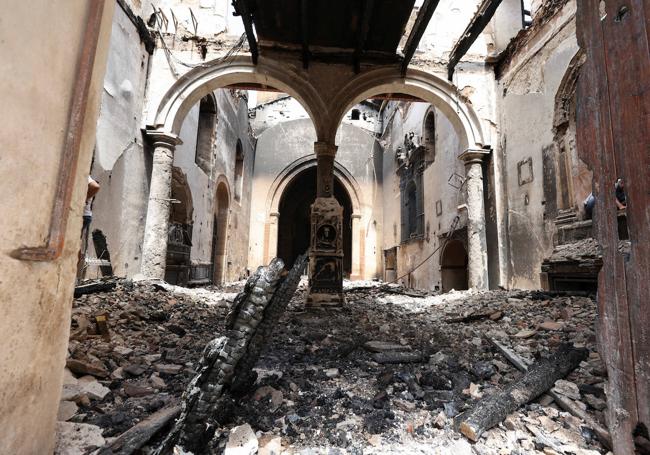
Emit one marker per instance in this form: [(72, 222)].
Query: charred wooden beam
[(362, 35), (475, 27), (540, 377), (304, 32), (421, 23), (242, 9)]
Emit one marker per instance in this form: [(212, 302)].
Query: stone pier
[(477, 266), (154, 247), (326, 251)]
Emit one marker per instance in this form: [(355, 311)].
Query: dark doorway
[(179, 235), (294, 228), (454, 266), (220, 233)]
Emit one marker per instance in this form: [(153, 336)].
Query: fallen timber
[(539, 378)]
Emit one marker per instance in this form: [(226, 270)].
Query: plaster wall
[(438, 178), (120, 164), (285, 108), (281, 145), (527, 89), (213, 17), (38, 76)]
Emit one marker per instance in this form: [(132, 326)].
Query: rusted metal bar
[(242, 9), (475, 27), (72, 144), (367, 8), (421, 23)]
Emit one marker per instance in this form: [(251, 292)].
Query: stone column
[(154, 247), (326, 250), (476, 239), (272, 239), (325, 154)]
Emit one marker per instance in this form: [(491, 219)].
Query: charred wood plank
[(398, 357), (137, 436), (421, 23), (563, 402), (475, 27), (540, 377), (366, 13), (304, 32)]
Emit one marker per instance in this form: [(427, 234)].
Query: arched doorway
[(294, 224), (454, 266), (220, 233), (179, 234)]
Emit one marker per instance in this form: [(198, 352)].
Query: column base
[(325, 300)]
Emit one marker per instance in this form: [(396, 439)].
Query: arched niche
[(220, 230)]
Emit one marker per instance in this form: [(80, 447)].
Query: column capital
[(325, 149), (163, 139), (471, 156)]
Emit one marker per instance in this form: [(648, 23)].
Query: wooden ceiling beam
[(367, 8), (242, 9), (304, 32), (421, 23), (475, 27)]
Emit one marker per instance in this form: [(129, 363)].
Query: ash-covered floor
[(322, 386)]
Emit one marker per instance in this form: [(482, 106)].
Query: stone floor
[(323, 385)]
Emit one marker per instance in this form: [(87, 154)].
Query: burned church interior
[(325, 227)]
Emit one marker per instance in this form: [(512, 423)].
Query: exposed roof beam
[(421, 23), (475, 27), (364, 27), (304, 32), (242, 9)]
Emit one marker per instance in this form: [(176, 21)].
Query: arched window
[(429, 142), (411, 188), (239, 171), (205, 132)]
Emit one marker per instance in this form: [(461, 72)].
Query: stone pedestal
[(477, 266), (154, 247), (326, 253)]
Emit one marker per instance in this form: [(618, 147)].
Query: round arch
[(350, 185), (198, 82), (288, 173), (421, 84)]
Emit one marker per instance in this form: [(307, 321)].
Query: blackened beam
[(242, 9), (304, 32), (475, 27), (421, 23), (362, 35)]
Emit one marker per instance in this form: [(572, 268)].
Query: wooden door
[(614, 139)]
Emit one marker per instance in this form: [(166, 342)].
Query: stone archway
[(294, 217), (220, 232), (201, 81), (453, 264), (421, 84), (347, 183)]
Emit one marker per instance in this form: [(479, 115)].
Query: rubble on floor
[(386, 373)]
